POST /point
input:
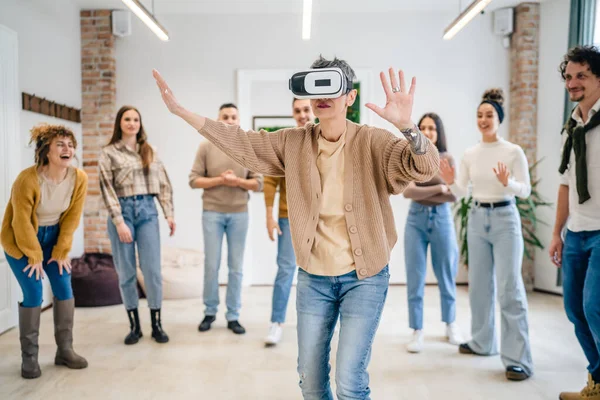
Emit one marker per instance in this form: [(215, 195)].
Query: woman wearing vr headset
[(497, 171), (339, 176), (430, 224)]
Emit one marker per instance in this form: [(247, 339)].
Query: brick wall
[(98, 86), (524, 60)]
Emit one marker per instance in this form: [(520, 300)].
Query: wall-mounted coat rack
[(40, 105)]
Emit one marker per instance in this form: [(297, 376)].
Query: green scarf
[(576, 141)]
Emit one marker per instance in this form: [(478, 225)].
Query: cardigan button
[(358, 252), (363, 272), (353, 229), (348, 207)]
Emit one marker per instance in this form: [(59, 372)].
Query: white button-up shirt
[(586, 216)]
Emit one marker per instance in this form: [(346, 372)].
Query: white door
[(10, 163)]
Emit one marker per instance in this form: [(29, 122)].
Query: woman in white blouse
[(496, 171)]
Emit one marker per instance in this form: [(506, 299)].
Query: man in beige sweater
[(225, 212), (339, 177)]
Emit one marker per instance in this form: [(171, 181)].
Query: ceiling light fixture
[(465, 17), (148, 18), (306, 19)]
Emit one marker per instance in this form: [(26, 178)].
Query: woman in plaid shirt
[(131, 175)]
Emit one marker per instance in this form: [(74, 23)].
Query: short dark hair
[(228, 105), (439, 127), (336, 63), (589, 55)]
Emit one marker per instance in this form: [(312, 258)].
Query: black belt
[(493, 205)]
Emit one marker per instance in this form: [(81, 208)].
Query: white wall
[(554, 32), (49, 66), (201, 60)]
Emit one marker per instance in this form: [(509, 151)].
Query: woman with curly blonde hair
[(37, 233)]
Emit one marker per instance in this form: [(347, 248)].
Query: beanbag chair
[(182, 273), (95, 281)]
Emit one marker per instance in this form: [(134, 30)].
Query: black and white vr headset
[(321, 83)]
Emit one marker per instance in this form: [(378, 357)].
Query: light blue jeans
[(141, 216), (286, 268), (319, 302), (495, 243), (430, 225), (32, 288), (214, 226)]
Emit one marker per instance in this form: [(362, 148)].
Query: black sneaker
[(236, 327), (206, 322), (466, 349), (514, 373)]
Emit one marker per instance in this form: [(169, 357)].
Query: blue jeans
[(430, 225), (319, 302), (581, 285), (495, 243), (286, 268), (141, 217), (214, 226), (32, 288)]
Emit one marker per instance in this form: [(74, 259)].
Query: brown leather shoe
[(514, 373), (466, 349), (570, 396), (590, 392)]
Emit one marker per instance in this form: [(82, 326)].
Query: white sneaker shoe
[(453, 334), (416, 343), (275, 334)]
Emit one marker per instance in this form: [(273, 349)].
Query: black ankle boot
[(136, 331), (157, 331)]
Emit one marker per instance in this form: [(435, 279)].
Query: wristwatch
[(415, 138), (410, 133)]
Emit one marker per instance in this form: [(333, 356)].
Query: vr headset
[(321, 83)]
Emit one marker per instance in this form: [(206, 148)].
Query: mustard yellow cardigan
[(20, 224)]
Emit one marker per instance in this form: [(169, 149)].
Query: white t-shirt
[(477, 170), (586, 216)]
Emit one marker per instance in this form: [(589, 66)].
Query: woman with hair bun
[(497, 171), (44, 211)]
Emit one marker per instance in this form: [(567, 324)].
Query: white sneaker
[(416, 343), (453, 334), (275, 334)]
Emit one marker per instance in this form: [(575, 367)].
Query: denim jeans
[(430, 226), (495, 243), (141, 216), (581, 285), (32, 288), (235, 227), (319, 302), (286, 268)]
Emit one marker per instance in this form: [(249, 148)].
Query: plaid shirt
[(122, 175)]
